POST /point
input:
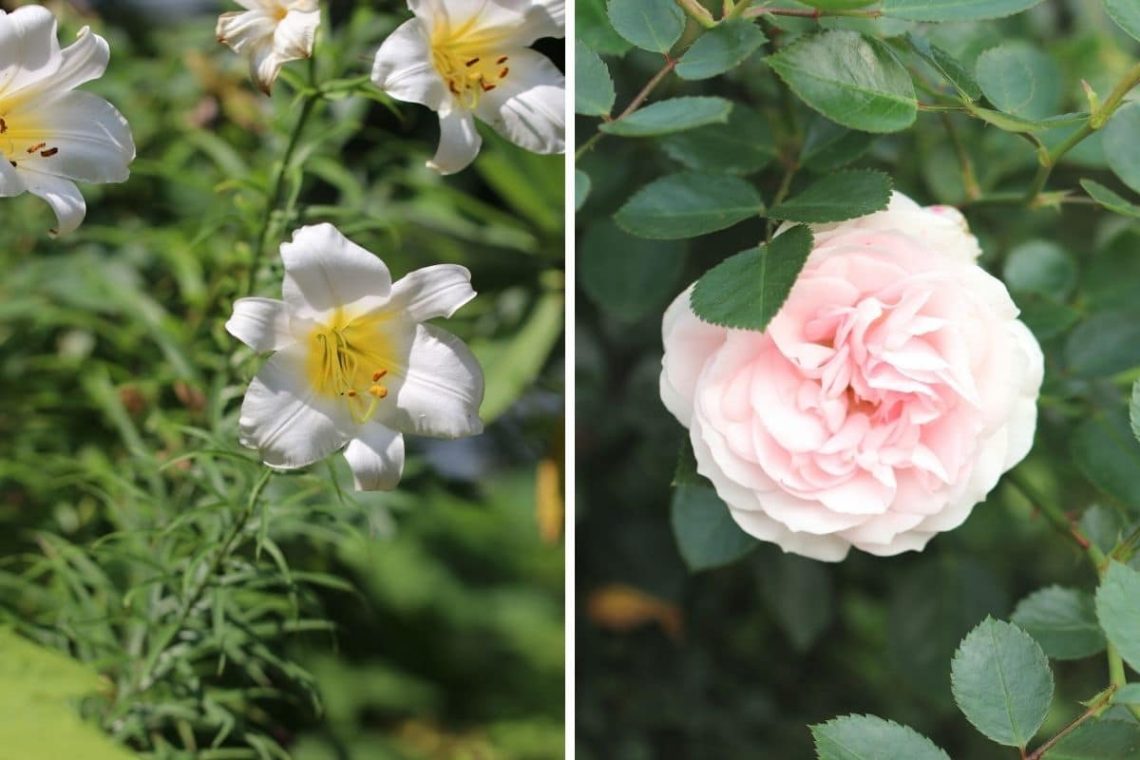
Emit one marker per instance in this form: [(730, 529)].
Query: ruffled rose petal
[(376, 456), (325, 271)]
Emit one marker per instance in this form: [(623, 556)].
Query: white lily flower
[(270, 33), (354, 365), (466, 58), (50, 135)]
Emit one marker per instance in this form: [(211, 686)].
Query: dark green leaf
[(838, 5), (1104, 344), (746, 290), (948, 66), (688, 204), (673, 115), (1110, 200), (1121, 146), (1040, 266), (866, 737), (1001, 682), (1045, 317), (1106, 452), (1019, 124), (1134, 410), (625, 275), (1118, 609), (799, 594), (704, 529), (1062, 620), (853, 80), (1128, 694), (594, 90), (724, 47), (836, 197), (1126, 13), (954, 10), (1104, 739), (581, 188), (593, 28), (1019, 79), (829, 146), (743, 145), (653, 25), (1102, 526)]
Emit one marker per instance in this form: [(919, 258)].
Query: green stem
[(812, 12), (969, 179), (307, 105), (1057, 518), (1048, 159), (698, 13), (634, 104), (737, 10), (1094, 709)]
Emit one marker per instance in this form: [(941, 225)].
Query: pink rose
[(883, 401)]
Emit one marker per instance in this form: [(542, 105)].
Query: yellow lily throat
[(467, 67), (349, 359), (22, 140)]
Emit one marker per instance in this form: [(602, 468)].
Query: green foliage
[(1002, 682), (1118, 612), (1110, 200), (653, 25), (1120, 146), (748, 289), (1107, 454), (876, 95), (1105, 739), (1062, 620), (845, 195), (724, 47), (742, 145), (1126, 14), (627, 274), (1019, 79), (707, 535), (867, 737), (688, 204), (955, 10), (594, 90), (668, 116)]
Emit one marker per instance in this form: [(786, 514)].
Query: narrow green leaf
[(653, 25), (954, 10), (703, 527), (724, 47), (594, 90), (1121, 146), (1019, 124), (688, 204), (1019, 79), (743, 145), (628, 276), (853, 80), (948, 66), (1104, 739), (673, 115), (1108, 455), (1126, 13), (1001, 682), (1110, 200), (867, 737), (800, 595), (748, 289), (836, 197), (1134, 410), (1118, 609), (1062, 620), (581, 188)]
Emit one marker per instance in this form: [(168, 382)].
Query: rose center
[(349, 359), (469, 71)]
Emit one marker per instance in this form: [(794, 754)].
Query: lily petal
[(82, 61), (91, 140), (11, 184), (459, 142), (286, 421), (376, 456), (507, 22), (529, 106), (63, 197), (403, 67), (295, 34), (261, 323), (241, 29), (325, 271), (435, 291), (29, 50), (439, 389)]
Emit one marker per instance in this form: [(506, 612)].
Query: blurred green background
[(736, 662), (424, 623)]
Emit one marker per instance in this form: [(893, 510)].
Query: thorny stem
[(638, 100), (969, 179), (812, 12), (1048, 159), (1096, 708), (1057, 518)]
